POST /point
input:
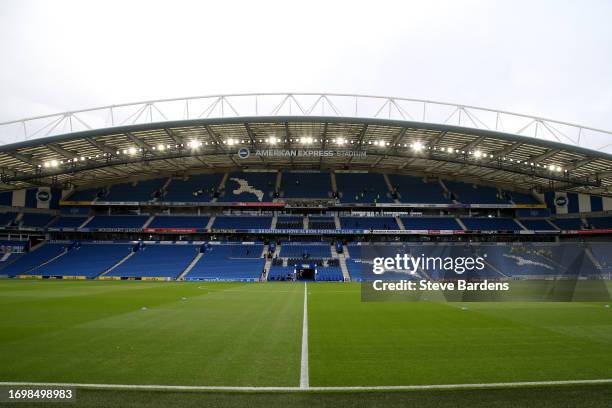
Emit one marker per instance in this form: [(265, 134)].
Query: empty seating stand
[(491, 224), (140, 191), (249, 186), (24, 264), (303, 250), (178, 221), (430, 223), (568, 223), (362, 188), (306, 185), (290, 222), (156, 261), (416, 190), (36, 220), (538, 225), (242, 222), (89, 260), (196, 188), (377, 223), (229, 262), (117, 221), (68, 222), (472, 194), (321, 222)]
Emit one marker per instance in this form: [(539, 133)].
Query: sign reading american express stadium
[(309, 153)]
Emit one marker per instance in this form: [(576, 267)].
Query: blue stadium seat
[(158, 261), (197, 188), (26, 262), (178, 221), (568, 223), (117, 221), (36, 220), (316, 250), (472, 194), (537, 225), (242, 222), (140, 191), (600, 222), (430, 223), (249, 186), (306, 185), (362, 188), (377, 223), (491, 224), (88, 260), (415, 190), (68, 222), (229, 262)]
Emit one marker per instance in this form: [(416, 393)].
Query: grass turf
[(234, 334)]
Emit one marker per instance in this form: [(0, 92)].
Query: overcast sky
[(547, 58)]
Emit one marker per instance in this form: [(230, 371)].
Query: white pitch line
[(283, 389), (304, 380)]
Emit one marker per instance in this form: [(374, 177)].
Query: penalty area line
[(284, 389)]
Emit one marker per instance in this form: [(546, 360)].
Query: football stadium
[(220, 249)]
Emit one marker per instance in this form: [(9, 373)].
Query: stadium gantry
[(242, 177)]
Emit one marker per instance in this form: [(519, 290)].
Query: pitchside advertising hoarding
[(482, 272)]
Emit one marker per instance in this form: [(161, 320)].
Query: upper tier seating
[(242, 222), (178, 221), (197, 188), (242, 262), (415, 190), (140, 191), (89, 194), (29, 260), (600, 222), (117, 221), (306, 185), (491, 224), (68, 222), (522, 198), (249, 186), (471, 194), (157, 261), (602, 252), (34, 220), (362, 188), (7, 218), (568, 223), (290, 222), (430, 223), (303, 250), (537, 225), (377, 223), (86, 260)]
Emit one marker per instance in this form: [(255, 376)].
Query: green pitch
[(232, 334)]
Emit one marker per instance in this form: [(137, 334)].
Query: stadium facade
[(294, 190)]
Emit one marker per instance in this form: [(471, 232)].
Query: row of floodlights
[(196, 144)]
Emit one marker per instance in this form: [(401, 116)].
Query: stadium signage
[(309, 153)]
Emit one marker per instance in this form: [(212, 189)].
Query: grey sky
[(548, 58)]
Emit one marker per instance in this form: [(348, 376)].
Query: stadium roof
[(179, 136)]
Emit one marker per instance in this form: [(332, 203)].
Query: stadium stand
[(521, 198), (430, 223), (377, 223), (306, 185), (87, 259), (249, 186), (329, 274), (280, 273), (362, 188), (415, 190), (568, 223), (197, 188), (117, 221), (290, 222), (230, 262), (89, 194), (35, 220), (305, 250), (29, 260), (7, 218), (242, 222), (321, 222), (600, 222), (178, 221), (491, 224), (537, 225), (158, 261), (139, 191), (473, 194), (68, 222)]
